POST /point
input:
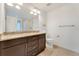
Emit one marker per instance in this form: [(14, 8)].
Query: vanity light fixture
[(9, 4), (35, 11), (18, 7)]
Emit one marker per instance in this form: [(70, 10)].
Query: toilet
[(49, 42)]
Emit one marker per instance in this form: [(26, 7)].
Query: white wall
[(67, 37), (2, 18)]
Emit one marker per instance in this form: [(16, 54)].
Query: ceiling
[(43, 6)]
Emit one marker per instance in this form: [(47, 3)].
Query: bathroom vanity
[(22, 44)]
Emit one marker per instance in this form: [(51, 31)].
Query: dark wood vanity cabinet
[(26, 46), (14, 47)]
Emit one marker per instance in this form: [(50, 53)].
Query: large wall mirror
[(19, 19)]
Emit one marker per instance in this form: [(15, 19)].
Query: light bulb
[(9, 4), (18, 7)]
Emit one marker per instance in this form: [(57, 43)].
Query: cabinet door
[(14, 51), (42, 42), (0, 48), (26, 48), (32, 46), (13, 42)]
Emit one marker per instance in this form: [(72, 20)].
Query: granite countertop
[(9, 36)]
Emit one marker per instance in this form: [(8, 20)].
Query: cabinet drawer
[(12, 42), (42, 36), (32, 38)]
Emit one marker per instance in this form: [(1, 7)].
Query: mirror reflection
[(19, 18)]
